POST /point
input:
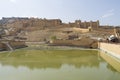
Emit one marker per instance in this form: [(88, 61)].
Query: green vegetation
[(53, 38)]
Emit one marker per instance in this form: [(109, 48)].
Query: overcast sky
[(107, 11)]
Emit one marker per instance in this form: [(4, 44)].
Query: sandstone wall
[(13, 44), (81, 30), (93, 24), (17, 44), (113, 49), (35, 23), (80, 43)]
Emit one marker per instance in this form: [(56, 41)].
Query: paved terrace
[(111, 48)]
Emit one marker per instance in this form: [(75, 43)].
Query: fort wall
[(35, 23)]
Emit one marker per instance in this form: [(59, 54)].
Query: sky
[(106, 11)]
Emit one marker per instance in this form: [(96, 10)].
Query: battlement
[(93, 24)]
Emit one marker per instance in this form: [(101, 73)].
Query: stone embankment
[(110, 48), (44, 46), (84, 42), (11, 45)]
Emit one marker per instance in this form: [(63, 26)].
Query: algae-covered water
[(26, 64)]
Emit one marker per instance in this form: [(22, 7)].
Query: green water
[(55, 65)]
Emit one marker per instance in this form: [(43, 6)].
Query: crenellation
[(86, 24)]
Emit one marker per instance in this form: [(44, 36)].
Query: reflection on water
[(50, 59), (55, 65)]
